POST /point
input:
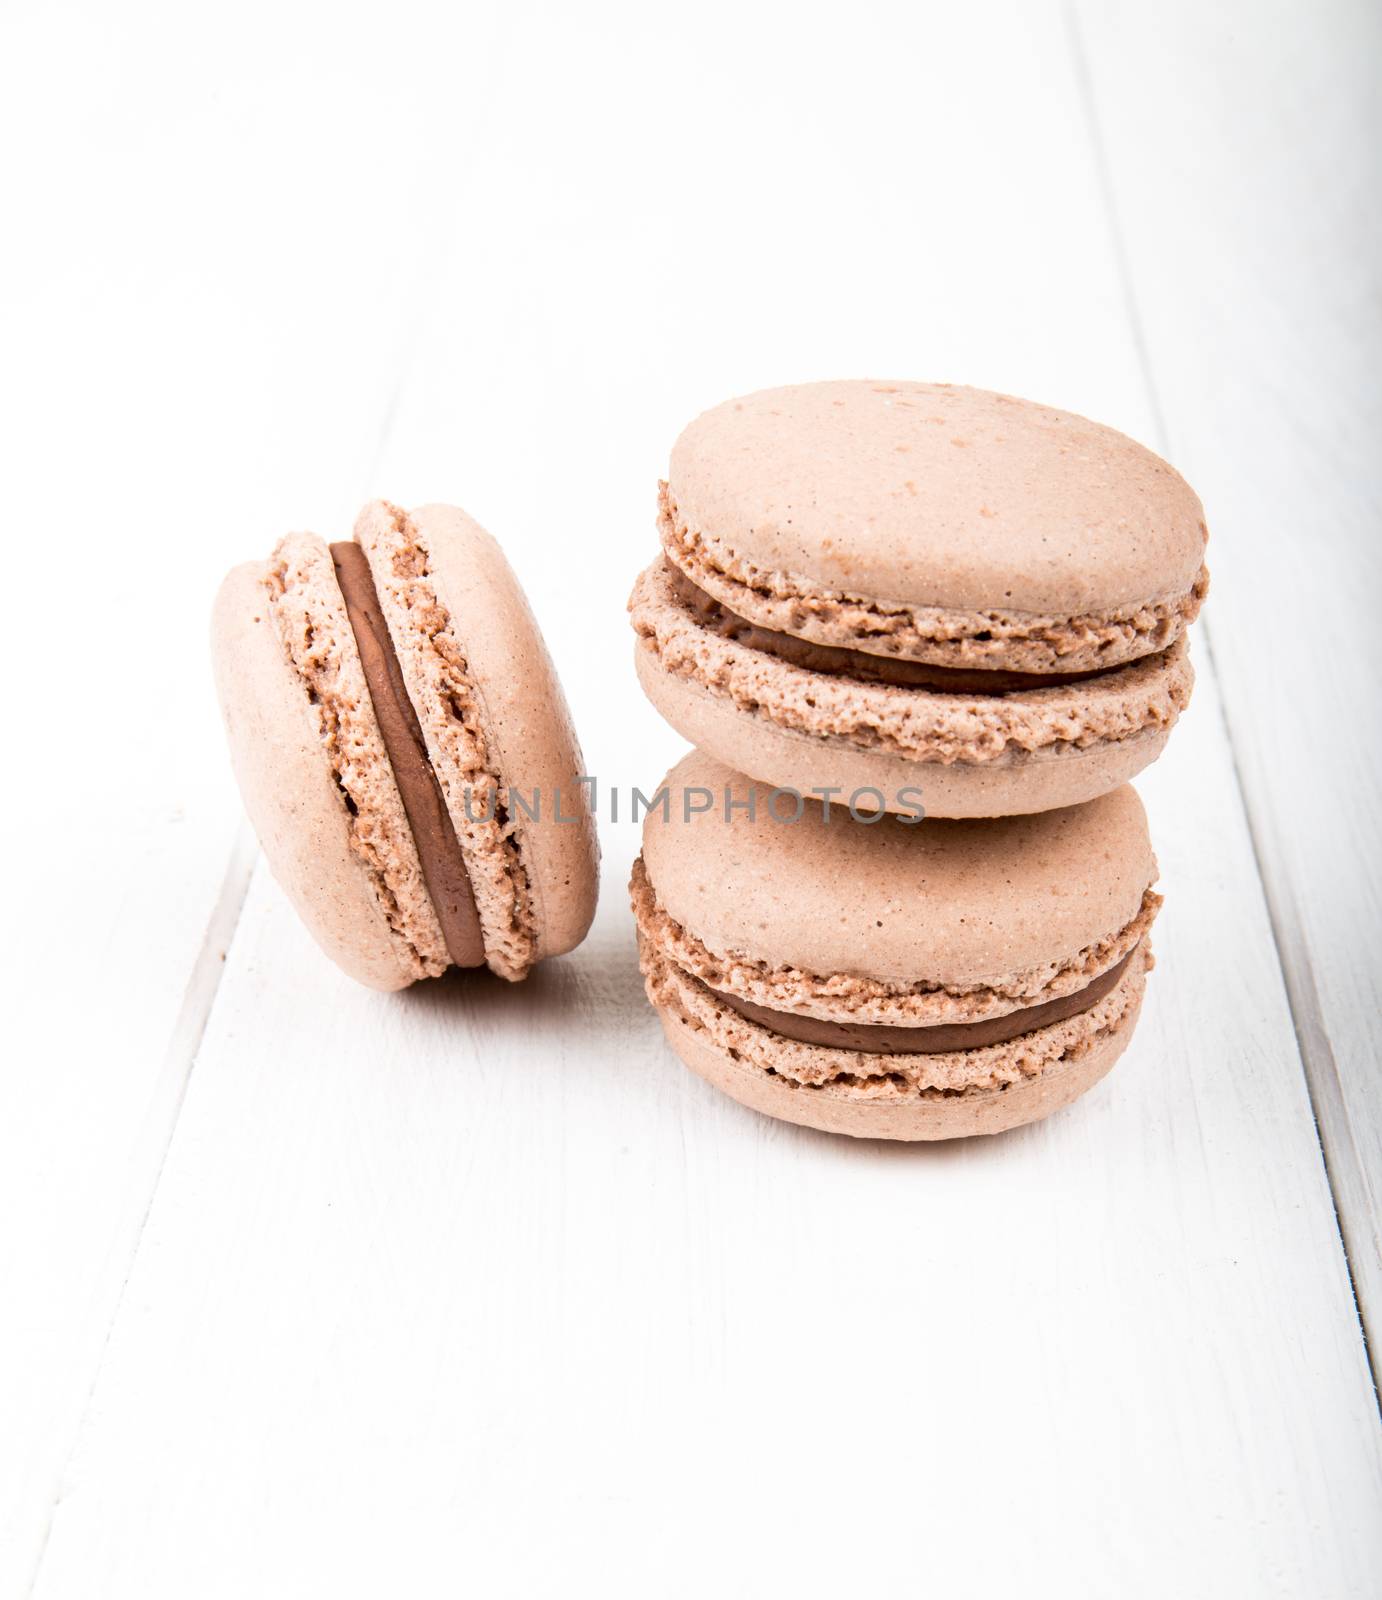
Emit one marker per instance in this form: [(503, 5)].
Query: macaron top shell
[(533, 742), (934, 495), (953, 903)]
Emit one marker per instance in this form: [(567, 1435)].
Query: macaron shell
[(753, 743), (949, 903), (288, 789), (527, 722), (679, 645), (937, 495), (843, 1109)]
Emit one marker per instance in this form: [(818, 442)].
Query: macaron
[(897, 979), (946, 596), (404, 749)]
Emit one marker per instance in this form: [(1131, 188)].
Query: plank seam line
[(151, 1147), (1313, 1047), (199, 999)]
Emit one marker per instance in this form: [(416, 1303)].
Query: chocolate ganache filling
[(889, 1039), (836, 661), (439, 850)]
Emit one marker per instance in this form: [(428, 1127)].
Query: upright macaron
[(921, 587), (894, 979), (404, 749)]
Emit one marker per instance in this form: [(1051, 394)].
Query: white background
[(309, 1291)]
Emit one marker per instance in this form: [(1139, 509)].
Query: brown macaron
[(896, 979), (404, 749), (953, 598)]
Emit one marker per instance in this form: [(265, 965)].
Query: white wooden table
[(311, 1292)]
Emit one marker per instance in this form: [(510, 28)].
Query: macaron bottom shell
[(751, 742), (356, 891), (893, 1097)]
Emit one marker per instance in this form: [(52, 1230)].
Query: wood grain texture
[(177, 393), (474, 1287), (1253, 264)]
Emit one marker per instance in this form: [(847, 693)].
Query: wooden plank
[(479, 1282), (1253, 253), (198, 355), (475, 1286)]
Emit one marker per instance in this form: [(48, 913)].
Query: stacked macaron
[(931, 601), (895, 980)]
